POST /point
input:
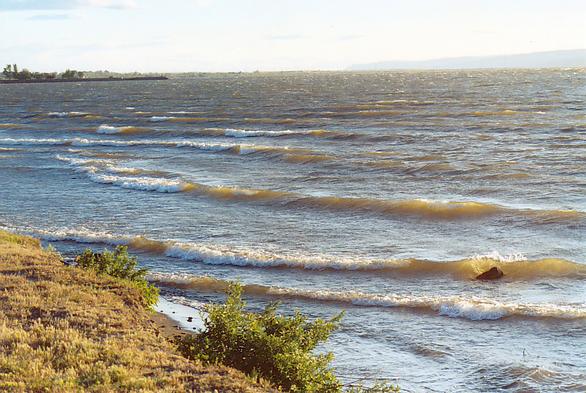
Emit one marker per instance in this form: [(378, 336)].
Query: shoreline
[(176, 319), (110, 79), (66, 329)]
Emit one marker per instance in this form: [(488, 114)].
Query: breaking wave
[(139, 183), (94, 165), (34, 141), (239, 133), (422, 208), (473, 308), (161, 118), (514, 268), (236, 133), (85, 115), (100, 171), (66, 114), (240, 149), (107, 129)]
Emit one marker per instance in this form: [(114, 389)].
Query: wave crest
[(422, 208), (473, 308), (107, 129), (214, 254)]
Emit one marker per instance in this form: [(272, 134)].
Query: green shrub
[(273, 347), (120, 265)]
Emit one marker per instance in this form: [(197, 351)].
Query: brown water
[(383, 194)]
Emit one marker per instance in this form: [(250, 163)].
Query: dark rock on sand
[(493, 274)]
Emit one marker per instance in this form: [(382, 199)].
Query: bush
[(265, 345), (123, 266)]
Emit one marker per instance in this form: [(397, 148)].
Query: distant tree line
[(11, 71)]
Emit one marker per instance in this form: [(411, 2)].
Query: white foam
[(84, 142), (33, 141), (472, 308), (224, 255), (206, 146), (161, 118), (139, 183), (215, 254), (92, 165), (496, 256), (107, 129), (452, 306), (66, 114), (82, 235), (101, 171)]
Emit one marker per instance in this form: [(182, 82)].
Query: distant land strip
[(109, 79)]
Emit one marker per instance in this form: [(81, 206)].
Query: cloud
[(19, 5), (16, 5), (350, 37), (41, 17), (115, 4), (284, 37)]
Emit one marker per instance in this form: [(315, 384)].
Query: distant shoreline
[(110, 79)]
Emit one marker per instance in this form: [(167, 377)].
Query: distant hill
[(559, 58)]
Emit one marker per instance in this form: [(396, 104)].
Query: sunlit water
[(382, 194)]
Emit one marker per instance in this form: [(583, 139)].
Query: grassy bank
[(69, 329)]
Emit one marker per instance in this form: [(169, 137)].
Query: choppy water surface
[(383, 194)]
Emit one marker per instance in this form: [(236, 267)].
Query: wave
[(435, 167), (66, 114), (369, 112), (95, 169), (307, 158), (185, 112), (468, 307), (107, 129), (422, 208), (508, 176), (12, 126), (242, 149), (415, 207), (504, 112), (240, 133), (160, 118), (100, 154), (73, 114), (382, 104), (246, 120), (175, 119), (233, 132), (140, 183), (514, 267), (267, 120), (237, 133), (35, 141)]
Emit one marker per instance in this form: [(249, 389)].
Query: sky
[(267, 35)]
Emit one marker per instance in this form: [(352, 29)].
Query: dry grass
[(67, 329)]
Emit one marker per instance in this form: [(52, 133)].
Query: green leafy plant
[(265, 345), (120, 265)]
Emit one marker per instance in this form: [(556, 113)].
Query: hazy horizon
[(220, 36)]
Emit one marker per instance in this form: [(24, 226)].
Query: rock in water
[(493, 274)]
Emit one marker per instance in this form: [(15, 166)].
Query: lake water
[(380, 193)]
